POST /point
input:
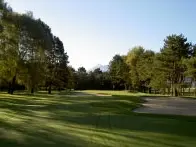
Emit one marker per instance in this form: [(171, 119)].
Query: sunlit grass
[(115, 92), (60, 120)]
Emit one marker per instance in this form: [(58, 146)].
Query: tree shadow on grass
[(43, 136), (100, 114), (38, 136)]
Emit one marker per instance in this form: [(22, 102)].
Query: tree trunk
[(13, 85), (164, 91), (129, 88), (125, 86), (183, 91), (189, 90), (32, 90), (150, 90), (172, 90), (175, 92), (142, 89), (168, 92), (50, 89), (9, 88), (113, 86)]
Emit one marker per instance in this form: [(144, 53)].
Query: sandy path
[(164, 105)]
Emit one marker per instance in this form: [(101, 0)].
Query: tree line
[(171, 71), (31, 57)]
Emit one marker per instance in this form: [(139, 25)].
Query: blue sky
[(93, 31)]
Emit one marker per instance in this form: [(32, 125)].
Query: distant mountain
[(103, 68)]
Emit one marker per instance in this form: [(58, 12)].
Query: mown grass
[(59, 120), (110, 92), (127, 93)]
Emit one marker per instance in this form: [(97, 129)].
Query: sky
[(93, 31)]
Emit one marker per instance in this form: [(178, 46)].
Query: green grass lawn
[(59, 120), (109, 92)]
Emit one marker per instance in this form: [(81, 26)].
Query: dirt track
[(168, 105)]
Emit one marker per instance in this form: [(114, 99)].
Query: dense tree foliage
[(118, 71), (170, 71), (30, 55), (91, 80)]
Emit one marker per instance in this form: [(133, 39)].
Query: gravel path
[(168, 105)]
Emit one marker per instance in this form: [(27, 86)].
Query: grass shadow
[(86, 121)]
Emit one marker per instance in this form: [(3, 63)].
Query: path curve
[(168, 105)]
